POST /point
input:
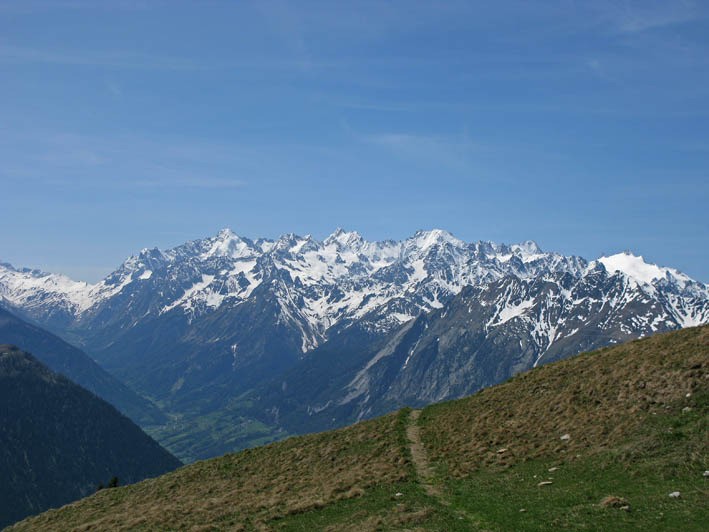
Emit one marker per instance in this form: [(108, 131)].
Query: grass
[(636, 417), (245, 490), (604, 401), (378, 509), (572, 502), (643, 474)]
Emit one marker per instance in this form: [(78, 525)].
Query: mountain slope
[(628, 422), (78, 367), (481, 337), (58, 441)]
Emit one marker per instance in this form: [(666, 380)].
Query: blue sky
[(130, 124)]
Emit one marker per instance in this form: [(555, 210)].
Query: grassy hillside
[(629, 421), (540, 452)]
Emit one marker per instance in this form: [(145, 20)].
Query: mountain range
[(243, 341)]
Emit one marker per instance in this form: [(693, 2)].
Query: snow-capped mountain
[(320, 283), (203, 322)]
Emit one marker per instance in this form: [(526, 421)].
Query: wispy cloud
[(191, 182), (285, 22), (696, 146), (114, 89), (599, 69), (636, 17), (121, 59), (450, 152), (119, 163), (32, 6)]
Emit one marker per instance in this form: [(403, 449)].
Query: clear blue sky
[(130, 124)]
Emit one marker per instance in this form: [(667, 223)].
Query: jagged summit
[(228, 244), (226, 233), (425, 240), (528, 246), (345, 239)]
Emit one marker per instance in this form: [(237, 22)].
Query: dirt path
[(420, 459), (425, 471)]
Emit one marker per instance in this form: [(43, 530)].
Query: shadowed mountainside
[(77, 366), (58, 441)]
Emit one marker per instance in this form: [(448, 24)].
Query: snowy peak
[(35, 289), (345, 239), (226, 233), (292, 244), (424, 240), (528, 247), (145, 260), (636, 268), (228, 244)]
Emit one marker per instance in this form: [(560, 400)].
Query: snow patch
[(513, 311), (194, 289)]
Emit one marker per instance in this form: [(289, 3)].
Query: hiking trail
[(420, 458), (423, 468)]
